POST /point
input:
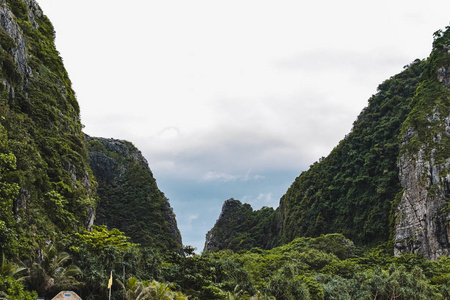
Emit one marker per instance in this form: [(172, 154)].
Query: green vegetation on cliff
[(240, 227), (431, 105), (352, 190), (48, 192), (50, 184), (129, 197)]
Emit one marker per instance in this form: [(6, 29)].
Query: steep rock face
[(423, 219), (10, 26), (129, 197), (45, 163), (423, 214)]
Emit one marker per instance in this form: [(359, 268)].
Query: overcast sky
[(233, 98)]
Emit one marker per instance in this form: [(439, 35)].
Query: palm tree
[(259, 296), (159, 291), (52, 272), (149, 290), (10, 269), (235, 295), (134, 289)]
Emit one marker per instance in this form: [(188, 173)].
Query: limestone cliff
[(423, 214), (423, 217), (129, 196), (47, 189)]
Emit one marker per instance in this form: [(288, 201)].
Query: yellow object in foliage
[(110, 281)]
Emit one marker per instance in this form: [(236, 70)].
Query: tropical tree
[(11, 277), (134, 289), (100, 251), (12, 289), (260, 296), (52, 272), (236, 294), (336, 287), (10, 269), (402, 284), (162, 291), (149, 290), (190, 273), (285, 288)]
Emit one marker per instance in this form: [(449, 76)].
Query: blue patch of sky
[(198, 204)]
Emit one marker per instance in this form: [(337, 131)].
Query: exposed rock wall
[(423, 220), (423, 214), (19, 50)]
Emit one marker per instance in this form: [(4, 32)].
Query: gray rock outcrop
[(12, 29), (423, 214)]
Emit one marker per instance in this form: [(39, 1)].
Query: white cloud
[(225, 177), (216, 176), (191, 220), (260, 200), (169, 133)]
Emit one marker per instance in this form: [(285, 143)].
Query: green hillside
[(129, 197), (357, 189), (353, 189)]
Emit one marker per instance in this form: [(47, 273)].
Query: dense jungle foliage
[(326, 267), (240, 227)]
